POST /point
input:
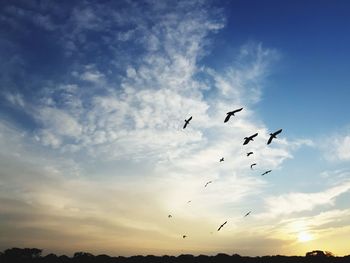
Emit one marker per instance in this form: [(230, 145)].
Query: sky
[(93, 154)]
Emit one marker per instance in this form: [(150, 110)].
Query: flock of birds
[(245, 142)]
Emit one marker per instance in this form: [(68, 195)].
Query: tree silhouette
[(33, 255), (22, 253)]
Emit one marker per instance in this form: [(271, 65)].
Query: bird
[(247, 214), (251, 166), (231, 113), (250, 138), (208, 183), (189, 201), (170, 216), (269, 171), (273, 135), (187, 122), (222, 159), (184, 236), (250, 153), (222, 226)]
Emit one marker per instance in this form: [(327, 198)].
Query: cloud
[(92, 75), (298, 202), (341, 148), (15, 99), (335, 146), (245, 80)]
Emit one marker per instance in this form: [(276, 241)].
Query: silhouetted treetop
[(33, 255)]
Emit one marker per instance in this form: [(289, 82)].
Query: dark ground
[(29, 255)]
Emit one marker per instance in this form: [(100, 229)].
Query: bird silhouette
[(250, 153), (247, 214), (208, 183), (231, 113), (273, 136), (250, 138), (184, 236), (251, 166), (222, 159), (189, 201), (269, 171), (222, 226), (187, 122), (170, 216)]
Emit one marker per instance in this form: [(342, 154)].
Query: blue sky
[(93, 99)]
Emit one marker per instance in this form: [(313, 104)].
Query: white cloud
[(59, 122), (92, 76), (336, 146), (16, 99), (341, 148), (298, 202)]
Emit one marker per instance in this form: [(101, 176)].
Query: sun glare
[(304, 237)]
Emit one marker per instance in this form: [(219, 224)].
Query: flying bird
[(222, 226), (222, 159), (184, 236), (250, 153), (208, 183), (189, 201), (251, 166), (273, 136), (231, 113), (247, 214), (170, 216), (187, 122), (269, 171), (250, 138)]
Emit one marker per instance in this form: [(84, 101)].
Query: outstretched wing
[(189, 119), (227, 117), (277, 132), (222, 226), (237, 110), (246, 140), (270, 140), (185, 125), (254, 135)]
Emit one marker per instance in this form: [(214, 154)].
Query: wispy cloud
[(337, 146), (292, 203)]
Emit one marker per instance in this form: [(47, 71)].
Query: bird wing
[(254, 135), (237, 110), (190, 118), (246, 140), (222, 226), (208, 183), (185, 125), (270, 140), (277, 132), (227, 117)]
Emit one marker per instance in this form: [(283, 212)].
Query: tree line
[(34, 255)]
